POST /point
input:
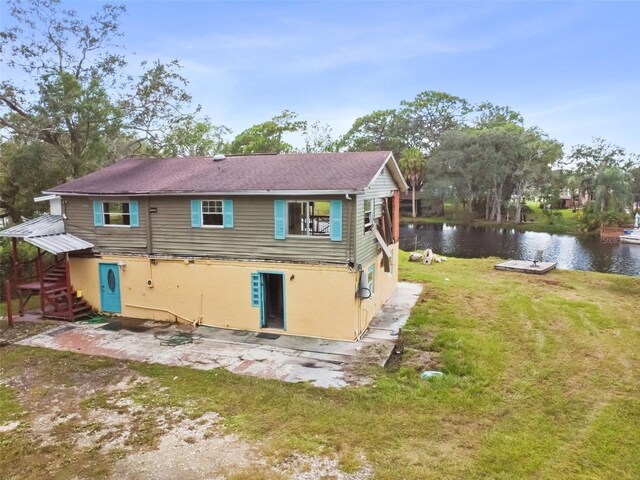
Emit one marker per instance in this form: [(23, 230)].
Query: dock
[(526, 266)]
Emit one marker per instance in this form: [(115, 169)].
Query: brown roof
[(336, 172)]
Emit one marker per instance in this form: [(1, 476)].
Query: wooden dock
[(526, 266)]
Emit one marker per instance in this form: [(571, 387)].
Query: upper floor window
[(308, 218), (368, 214), (212, 213), (115, 214)]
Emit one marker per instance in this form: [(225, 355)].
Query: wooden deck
[(526, 266)]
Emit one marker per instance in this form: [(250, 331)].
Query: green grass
[(561, 221), (541, 382), (33, 303)]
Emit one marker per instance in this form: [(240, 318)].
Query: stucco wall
[(385, 285), (320, 300)]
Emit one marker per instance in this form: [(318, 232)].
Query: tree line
[(71, 105)]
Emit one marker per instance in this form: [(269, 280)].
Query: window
[(371, 278), (212, 213), (115, 214), (368, 215), (308, 218)]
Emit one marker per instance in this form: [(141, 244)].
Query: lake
[(570, 251)]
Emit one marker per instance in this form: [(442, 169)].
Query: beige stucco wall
[(385, 284), (319, 300)]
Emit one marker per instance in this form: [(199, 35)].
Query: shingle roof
[(336, 172)]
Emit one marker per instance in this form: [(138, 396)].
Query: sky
[(571, 68)]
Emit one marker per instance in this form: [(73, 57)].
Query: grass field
[(542, 375), (560, 221)]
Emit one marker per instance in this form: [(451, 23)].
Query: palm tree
[(612, 192), (413, 166)]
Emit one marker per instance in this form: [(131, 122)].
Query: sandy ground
[(94, 413)]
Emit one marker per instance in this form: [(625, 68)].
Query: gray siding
[(252, 236), (171, 233), (79, 222), (366, 244)]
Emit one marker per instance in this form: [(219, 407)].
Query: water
[(569, 251)]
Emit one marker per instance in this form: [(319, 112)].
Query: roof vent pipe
[(218, 158)]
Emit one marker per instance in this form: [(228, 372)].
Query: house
[(302, 244)]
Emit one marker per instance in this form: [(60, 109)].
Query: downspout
[(349, 230)]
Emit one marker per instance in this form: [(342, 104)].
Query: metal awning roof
[(47, 232), (59, 243), (43, 225)]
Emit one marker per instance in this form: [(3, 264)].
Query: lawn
[(542, 375), (559, 221)]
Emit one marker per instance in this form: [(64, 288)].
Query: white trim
[(105, 213), (202, 225), (44, 198)]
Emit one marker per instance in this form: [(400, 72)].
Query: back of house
[(302, 244)]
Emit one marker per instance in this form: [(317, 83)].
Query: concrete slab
[(524, 266), (324, 363)]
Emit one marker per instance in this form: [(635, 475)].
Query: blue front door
[(109, 288)]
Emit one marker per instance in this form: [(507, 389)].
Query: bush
[(589, 219)]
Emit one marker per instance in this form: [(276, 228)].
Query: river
[(569, 251)]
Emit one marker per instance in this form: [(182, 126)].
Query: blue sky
[(572, 68)]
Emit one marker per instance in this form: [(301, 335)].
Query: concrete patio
[(324, 363)]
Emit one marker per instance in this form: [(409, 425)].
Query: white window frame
[(368, 226), (105, 214), (307, 220), (202, 213), (371, 278)]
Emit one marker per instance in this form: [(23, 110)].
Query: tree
[(461, 154), (489, 115), (65, 87), (75, 95), (429, 115), (413, 166), (26, 170), (195, 138), (267, 137), (380, 130), (605, 171), (612, 191), (635, 186), (318, 138), (535, 156)]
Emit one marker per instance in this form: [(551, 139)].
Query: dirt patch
[(92, 412), (22, 330), (422, 361)]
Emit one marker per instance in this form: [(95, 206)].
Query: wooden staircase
[(58, 299)]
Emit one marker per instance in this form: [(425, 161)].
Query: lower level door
[(273, 300), (110, 288)]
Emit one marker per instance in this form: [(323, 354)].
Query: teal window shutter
[(256, 292), (227, 213), (133, 213), (196, 213), (335, 220), (280, 215), (98, 217)]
